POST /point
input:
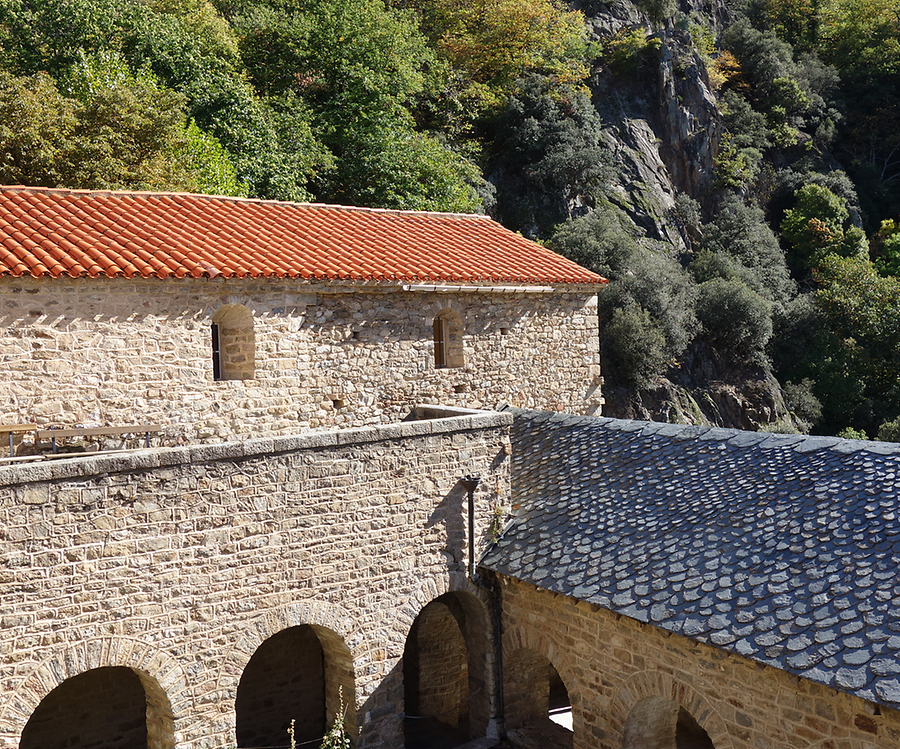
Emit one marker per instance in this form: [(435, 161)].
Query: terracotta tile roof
[(55, 232)]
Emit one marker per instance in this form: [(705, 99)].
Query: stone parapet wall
[(93, 352), (611, 664), (178, 563)]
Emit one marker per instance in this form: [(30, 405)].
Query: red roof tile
[(54, 232)]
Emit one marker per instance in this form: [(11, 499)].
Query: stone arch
[(343, 646), (169, 703), (112, 706), (448, 339), (657, 696), (447, 669), (535, 671), (233, 343), (296, 679)]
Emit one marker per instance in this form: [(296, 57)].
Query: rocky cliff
[(663, 128)]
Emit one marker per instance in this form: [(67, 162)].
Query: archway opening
[(302, 674), (233, 343), (445, 665), (111, 707), (538, 708), (660, 723)]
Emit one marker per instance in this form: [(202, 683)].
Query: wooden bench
[(12, 429), (54, 434)]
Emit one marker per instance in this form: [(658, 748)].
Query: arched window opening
[(111, 707), (233, 343), (445, 664), (538, 709), (448, 340), (660, 723), (301, 674)]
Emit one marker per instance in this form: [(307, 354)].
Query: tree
[(548, 158), (735, 319), (819, 225), (845, 337), (742, 240), (123, 133), (490, 44)]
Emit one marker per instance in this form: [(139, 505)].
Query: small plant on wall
[(335, 738)]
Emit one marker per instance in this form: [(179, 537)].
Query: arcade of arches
[(553, 649)]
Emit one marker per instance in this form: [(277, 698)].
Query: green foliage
[(36, 123), (548, 149), (846, 339), (734, 318), (633, 347), (596, 241), (886, 248), (392, 166), (805, 407), (652, 287), (491, 44), (626, 52), (745, 248), (646, 311), (819, 225), (214, 174), (792, 92), (657, 10), (117, 132), (849, 433), (889, 431)]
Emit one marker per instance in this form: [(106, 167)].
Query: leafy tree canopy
[(490, 44), (819, 226)]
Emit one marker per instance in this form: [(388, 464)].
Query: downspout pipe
[(471, 484), (493, 588)]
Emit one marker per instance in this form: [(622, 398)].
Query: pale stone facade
[(628, 682), (92, 352), (177, 565)]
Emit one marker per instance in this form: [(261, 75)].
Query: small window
[(233, 343), (448, 345)]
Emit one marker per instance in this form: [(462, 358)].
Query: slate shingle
[(781, 549)]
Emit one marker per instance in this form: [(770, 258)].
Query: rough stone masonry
[(179, 563)]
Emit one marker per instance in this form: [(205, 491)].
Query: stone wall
[(112, 352), (634, 685), (179, 563)]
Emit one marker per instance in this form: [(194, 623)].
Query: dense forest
[(731, 166)]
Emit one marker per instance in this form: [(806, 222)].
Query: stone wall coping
[(440, 420)]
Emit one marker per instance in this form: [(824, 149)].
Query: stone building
[(430, 574), (223, 318), (700, 587)]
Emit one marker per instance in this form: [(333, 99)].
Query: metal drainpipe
[(497, 616), (494, 589), (471, 483)]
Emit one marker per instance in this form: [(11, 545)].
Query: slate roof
[(783, 549), (52, 232)]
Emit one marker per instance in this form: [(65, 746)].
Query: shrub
[(734, 318), (803, 404), (889, 431), (596, 241), (634, 347)]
